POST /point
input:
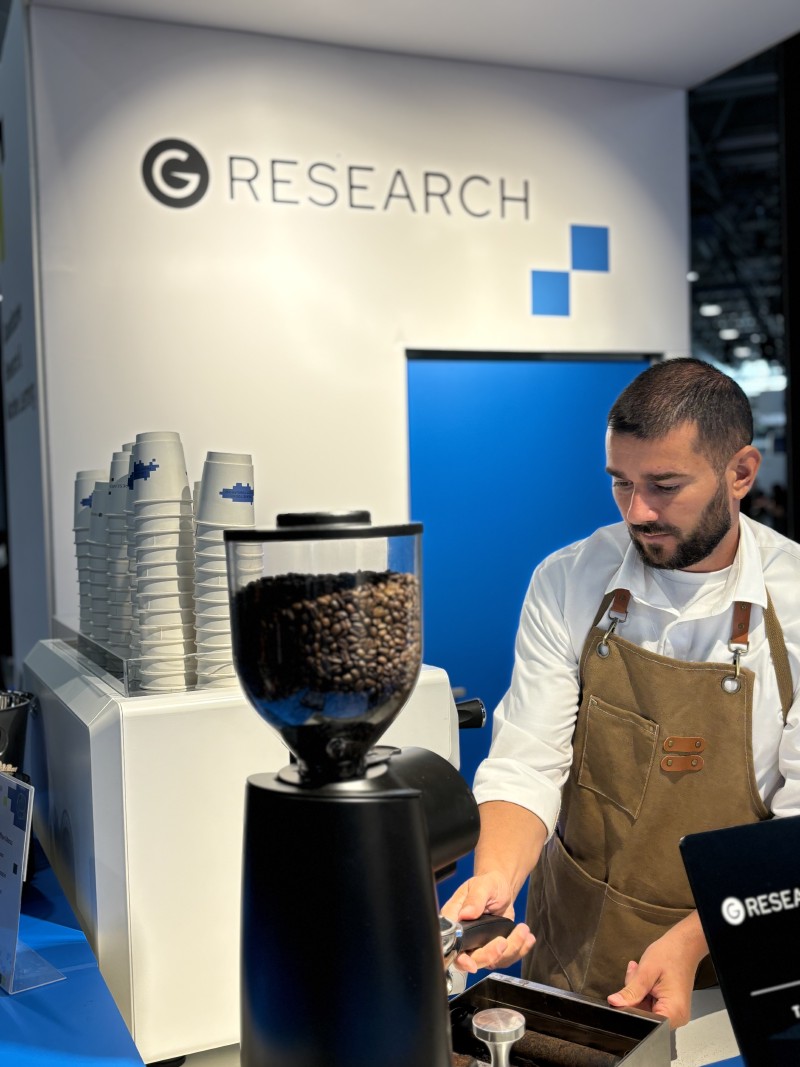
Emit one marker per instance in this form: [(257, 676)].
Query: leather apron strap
[(780, 657), (777, 646)]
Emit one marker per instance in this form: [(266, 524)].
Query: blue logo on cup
[(550, 289), (239, 494), (141, 470)]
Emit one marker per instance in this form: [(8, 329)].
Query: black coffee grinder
[(341, 947)]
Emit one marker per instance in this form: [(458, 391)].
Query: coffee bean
[(349, 632)]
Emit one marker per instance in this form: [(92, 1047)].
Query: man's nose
[(640, 510)]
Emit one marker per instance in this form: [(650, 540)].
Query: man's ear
[(742, 471)]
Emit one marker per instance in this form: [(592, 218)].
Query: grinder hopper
[(341, 947)]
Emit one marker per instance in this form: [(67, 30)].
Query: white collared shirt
[(531, 750)]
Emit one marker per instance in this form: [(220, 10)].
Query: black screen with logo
[(746, 884)]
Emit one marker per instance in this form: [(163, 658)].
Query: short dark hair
[(678, 391)]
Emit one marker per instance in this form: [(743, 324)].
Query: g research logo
[(735, 911), (175, 173)]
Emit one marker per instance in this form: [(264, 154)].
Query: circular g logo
[(175, 173), (733, 911)]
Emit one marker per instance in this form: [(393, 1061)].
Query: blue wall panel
[(507, 463)]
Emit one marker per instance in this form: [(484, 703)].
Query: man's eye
[(618, 484), (667, 488)]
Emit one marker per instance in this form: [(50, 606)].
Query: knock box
[(563, 1029)]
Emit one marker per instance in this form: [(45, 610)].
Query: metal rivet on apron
[(694, 762), (603, 649), (670, 743), (669, 762), (697, 744), (731, 684)]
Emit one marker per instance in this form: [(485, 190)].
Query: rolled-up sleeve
[(532, 729)]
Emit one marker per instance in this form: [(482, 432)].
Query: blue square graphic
[(549, 292), (589, 247)]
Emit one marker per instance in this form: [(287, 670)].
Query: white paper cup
[(183, 572), (173, 544), (212, 609), (211, 532), (163, 584), (222, 681), (211, 594), (120, 583), (120, 609), (177, 683), (167, 506), (226, 489), (209, 625), (120, 461), (156, 524), (208, 583), (211, 565), (166, 643), (166, 617), (215, 643), (159, 467), (119, 596), (164, 597), (97, 517), (215, 674), (208, 553), (84, 487), (122, 486)]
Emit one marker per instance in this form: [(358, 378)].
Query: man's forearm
[(511, 841)]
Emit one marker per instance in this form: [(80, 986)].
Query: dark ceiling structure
[(735, 201)]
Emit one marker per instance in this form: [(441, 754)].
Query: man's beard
[(693, 547)]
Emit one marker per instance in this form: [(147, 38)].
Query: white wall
[(281, 329)]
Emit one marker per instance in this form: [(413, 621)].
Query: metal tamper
[(498, 1029)]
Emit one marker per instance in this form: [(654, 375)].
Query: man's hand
[(488, 893), (663, 979)]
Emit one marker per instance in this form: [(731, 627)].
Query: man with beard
[(652, 697)]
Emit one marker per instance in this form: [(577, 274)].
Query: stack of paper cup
[(225, 501), (163, 554), (84, 487), (118, 572), (98, 560)]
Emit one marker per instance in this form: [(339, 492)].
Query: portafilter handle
[(498, 1029), (469, 934)]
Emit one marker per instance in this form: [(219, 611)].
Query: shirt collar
[(745, 582)]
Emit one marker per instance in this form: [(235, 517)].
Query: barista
[(652, 696)]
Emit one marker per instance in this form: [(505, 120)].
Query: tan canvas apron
[(661, 748)]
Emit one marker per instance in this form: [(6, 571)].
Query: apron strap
[(604, 606), (616, 603), (739, 636), (780, 657)]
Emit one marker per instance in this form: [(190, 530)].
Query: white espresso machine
[(139, 806)]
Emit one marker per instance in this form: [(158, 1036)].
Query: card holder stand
[(21, 967)]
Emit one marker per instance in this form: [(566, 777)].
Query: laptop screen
[(746, 884)]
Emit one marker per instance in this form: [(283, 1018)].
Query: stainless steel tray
[(636, 1038)]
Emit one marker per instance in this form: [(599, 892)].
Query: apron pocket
[(590, 930), (619, 750)]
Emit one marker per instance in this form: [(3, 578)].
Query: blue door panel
[(506, 465)]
